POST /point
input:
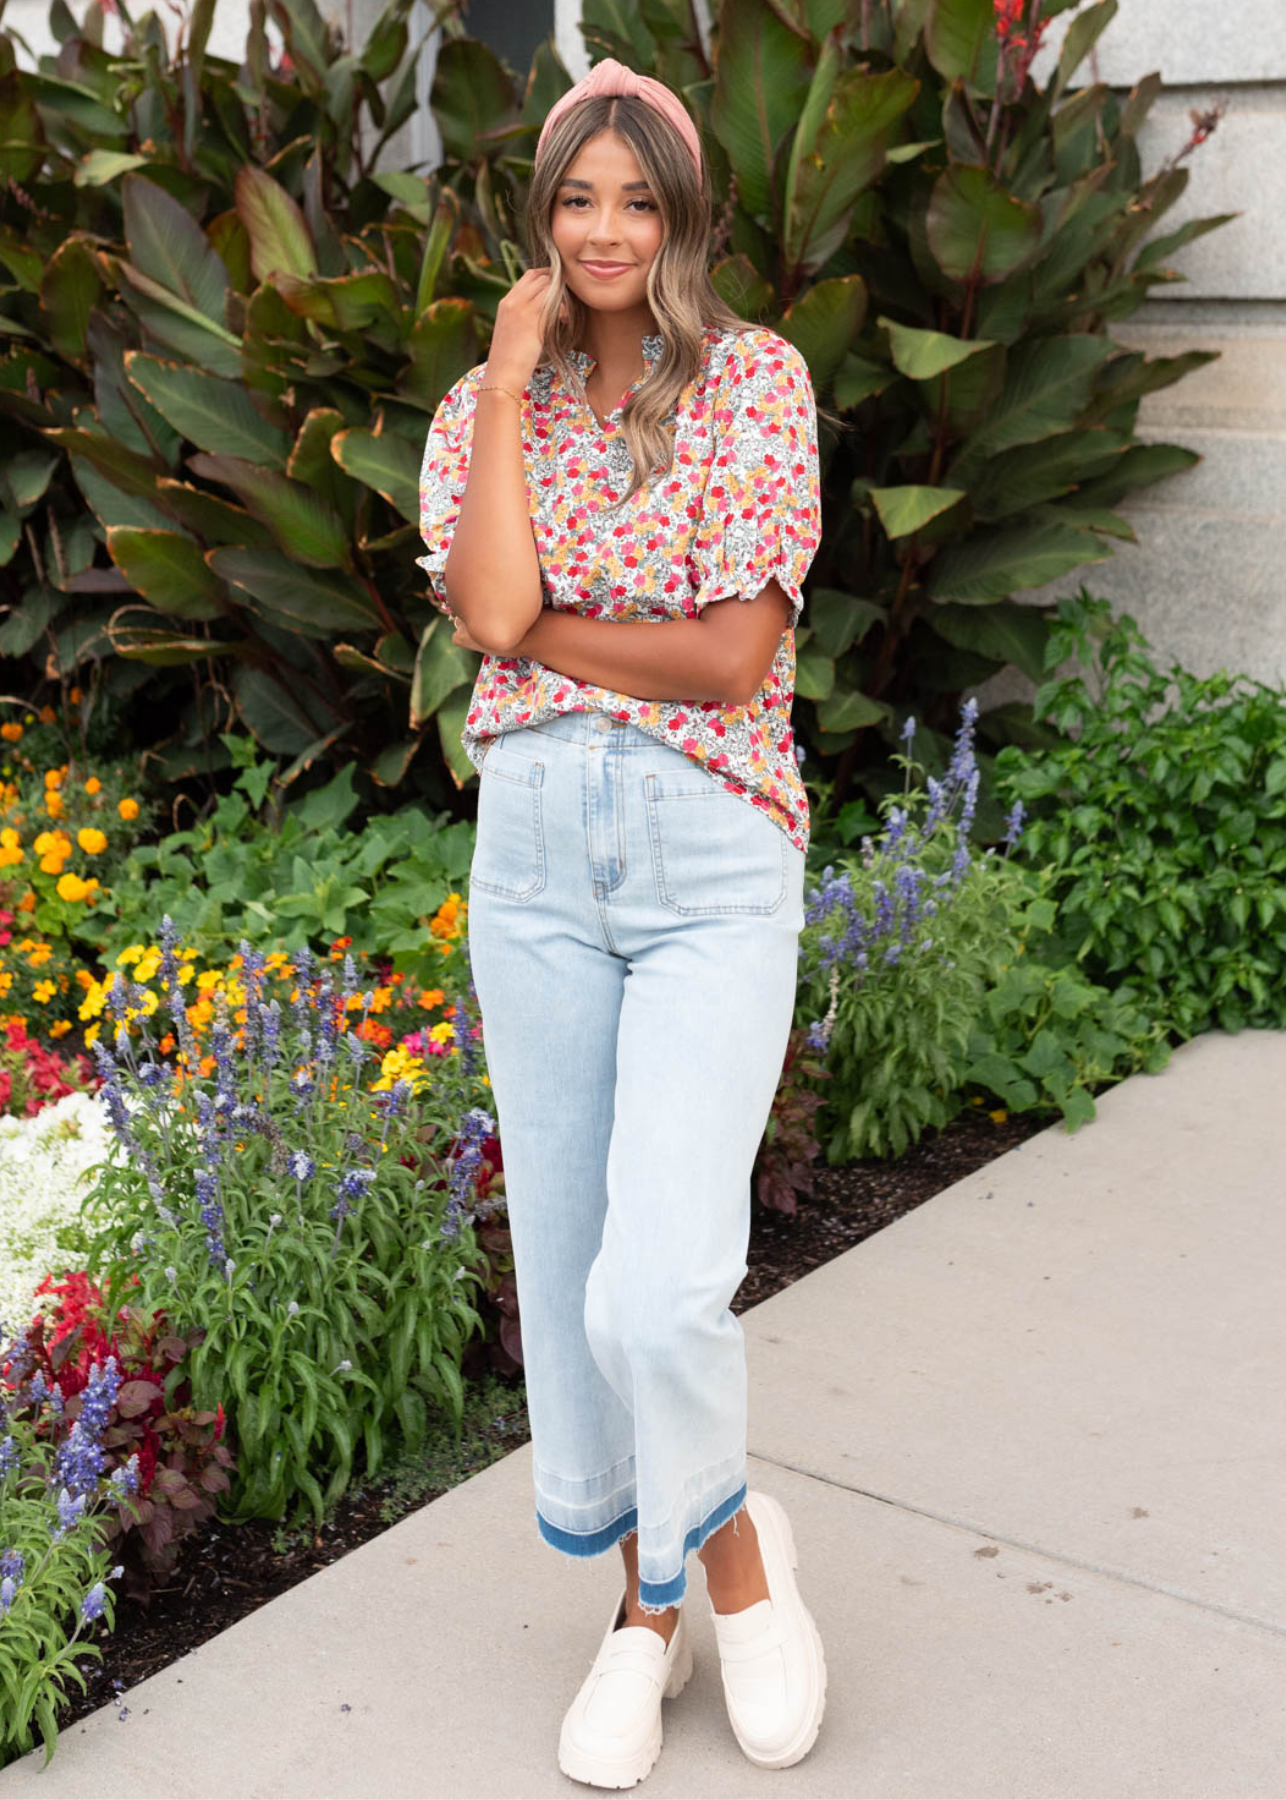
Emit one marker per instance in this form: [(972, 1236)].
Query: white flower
[(42, 1189)]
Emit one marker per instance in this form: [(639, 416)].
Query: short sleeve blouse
[(740, 506)]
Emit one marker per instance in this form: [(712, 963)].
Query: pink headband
[(612, 77)]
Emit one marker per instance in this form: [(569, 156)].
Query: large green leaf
[(169, 570), (975, 229), (215, 415), (847, 710), (207, 516), (273, 709), (122, 410), (113, 505), (306, 526), (1008, 631), (1082, 34), (1048, 381), (822, 324), (923, 354), (761, 81), (1139, 467), (346, 303), (960, 38), (166, 244), (991, 565), (312, 463), (70, 287), (835, 158), (1023, 477), (179, 326), (389, 463), (903, 510), (472, 94), (27, 476), (278, 233), (443, 345), (314, 602), (441, 665), (839, 620)]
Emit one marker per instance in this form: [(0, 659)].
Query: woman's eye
[(575, 199)]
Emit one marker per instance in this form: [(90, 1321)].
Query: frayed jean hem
[(588, 1543), (659, 1596), (654, 1596)]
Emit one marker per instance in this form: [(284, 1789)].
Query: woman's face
[(604, 211)]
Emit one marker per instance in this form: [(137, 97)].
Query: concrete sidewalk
[(1032, 1439)]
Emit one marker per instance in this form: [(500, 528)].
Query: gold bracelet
[(485, 386)]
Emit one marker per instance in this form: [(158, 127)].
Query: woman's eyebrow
[(626, 186)]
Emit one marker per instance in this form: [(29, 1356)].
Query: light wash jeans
[(634, 937)]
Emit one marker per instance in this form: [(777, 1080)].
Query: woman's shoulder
[(758, 348)]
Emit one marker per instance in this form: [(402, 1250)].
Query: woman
[(619, 508)]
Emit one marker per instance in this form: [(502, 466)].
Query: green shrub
[(1164, 817)]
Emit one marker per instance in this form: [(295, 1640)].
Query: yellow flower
[(999, 1115), (11, 731), (43, 991), (71, 887), (91, 840), (10, 853), (128, 809), (60, 1028), (130, 953), (53, 804)]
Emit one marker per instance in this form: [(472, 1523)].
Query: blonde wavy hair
[(682, 297)]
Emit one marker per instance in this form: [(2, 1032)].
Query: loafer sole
[(768, 1512), (611, 1771)]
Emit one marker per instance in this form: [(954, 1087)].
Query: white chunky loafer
[(770, 1654), (611, 1735)]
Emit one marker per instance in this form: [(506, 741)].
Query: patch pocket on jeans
[(509, 853), (712, 852)]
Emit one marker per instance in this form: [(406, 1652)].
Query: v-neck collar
[(652, 344)]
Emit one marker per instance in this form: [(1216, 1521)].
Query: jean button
[(603, 723)]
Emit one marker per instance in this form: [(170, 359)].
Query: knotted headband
[(612, 77)]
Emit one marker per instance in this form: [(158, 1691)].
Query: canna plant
[(226, 330)]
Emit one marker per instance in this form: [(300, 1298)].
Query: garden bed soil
[(227, 1571)]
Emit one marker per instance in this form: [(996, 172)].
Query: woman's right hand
[(517, 344)]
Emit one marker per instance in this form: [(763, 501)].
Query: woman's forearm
[(674, 659), (492, 574)]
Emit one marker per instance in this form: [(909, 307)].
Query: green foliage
[(899, 1046), (254, 868), (53, 1565), (1048, 1038), (899, 948), (293, 1211), (1163, 815), (225, 330)]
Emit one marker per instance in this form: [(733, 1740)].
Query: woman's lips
[(605, 271)]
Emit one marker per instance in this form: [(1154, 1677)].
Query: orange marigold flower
[(93, 785), (11, 731), (71, 887), (91, 840), (128, 809)]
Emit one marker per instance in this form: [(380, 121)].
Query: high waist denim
[(634, 937)]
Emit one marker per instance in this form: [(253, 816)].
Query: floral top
[(741, 505)]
